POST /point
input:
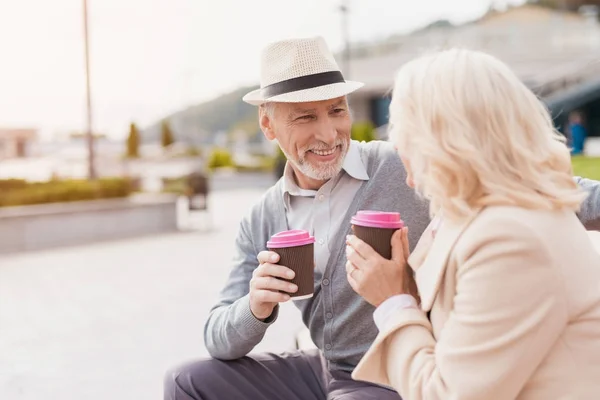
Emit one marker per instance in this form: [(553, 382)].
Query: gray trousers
[(290, 376)]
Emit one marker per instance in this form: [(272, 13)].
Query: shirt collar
[(353, 165)]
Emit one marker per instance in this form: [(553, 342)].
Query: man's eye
[(304, 117), (339, 110)]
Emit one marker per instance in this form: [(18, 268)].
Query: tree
[(363, 131), (133, 142), (220, 158), (166, 135)]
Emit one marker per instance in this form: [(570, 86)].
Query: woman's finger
[(349, 267), (363, 249), (353, 283), (355, 258), (405, 242), (398, 255), (352, 271)]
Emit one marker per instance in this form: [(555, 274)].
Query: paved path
[(105, 321), (592, 147)]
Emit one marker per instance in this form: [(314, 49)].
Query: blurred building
[(555, 53), (16, 143)]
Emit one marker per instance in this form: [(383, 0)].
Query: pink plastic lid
[(378, 219), (291, 238)]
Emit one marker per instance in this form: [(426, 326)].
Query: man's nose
[(327, 132)]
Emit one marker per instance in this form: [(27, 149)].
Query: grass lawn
[(587, 167)]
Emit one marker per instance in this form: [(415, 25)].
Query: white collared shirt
[(322, 211)]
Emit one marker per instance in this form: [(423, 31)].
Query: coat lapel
[(595, 238), (430, 271)]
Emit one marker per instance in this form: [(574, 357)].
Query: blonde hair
[(476, 136)]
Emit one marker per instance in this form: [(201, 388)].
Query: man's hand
[(265, 287)]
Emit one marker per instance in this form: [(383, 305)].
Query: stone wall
[(45, 226)]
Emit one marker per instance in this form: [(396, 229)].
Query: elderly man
[(590, 209), (328, 177)]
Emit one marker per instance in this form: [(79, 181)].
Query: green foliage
[(280, 161), (586, 167), (11, 184), (280, 155), (133, 142), (264, 164), (193, 151), (175, 185), (220, 158), (166, 134), (65, 191), (363, 131)]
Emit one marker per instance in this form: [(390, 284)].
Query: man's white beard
[(322, 172)]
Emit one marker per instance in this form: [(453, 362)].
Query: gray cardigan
[(340, 321), (590, 209)]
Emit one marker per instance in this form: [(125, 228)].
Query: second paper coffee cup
[(376, 228), (296, 251)]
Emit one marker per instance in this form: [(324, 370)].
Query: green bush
[(65, 191), (193, 151), (11, 184), (175, 185), (220, 158), (264, 164), (363, 131), (587, 167)]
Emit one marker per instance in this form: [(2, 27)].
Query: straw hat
[(297, 71)]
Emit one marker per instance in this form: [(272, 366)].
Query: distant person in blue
[(577, 133)]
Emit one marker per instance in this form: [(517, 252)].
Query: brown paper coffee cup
[(379, 239), (299, 259)]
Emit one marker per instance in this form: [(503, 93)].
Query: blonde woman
[(508, 279)]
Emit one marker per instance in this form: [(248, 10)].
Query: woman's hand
[(375, 278)]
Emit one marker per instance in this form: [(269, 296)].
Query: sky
[(153, 57)]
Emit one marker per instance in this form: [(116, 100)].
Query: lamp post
[(345, 10), (89, 130)]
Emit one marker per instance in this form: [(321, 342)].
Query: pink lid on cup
[(293, 238), (378, 219)]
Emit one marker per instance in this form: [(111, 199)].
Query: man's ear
[(266, 124)]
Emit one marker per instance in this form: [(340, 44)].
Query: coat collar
[(430, 268)]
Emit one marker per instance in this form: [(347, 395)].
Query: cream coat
[(514, 302)]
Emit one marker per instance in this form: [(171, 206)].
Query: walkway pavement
[(592, 147), (105, 321)]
